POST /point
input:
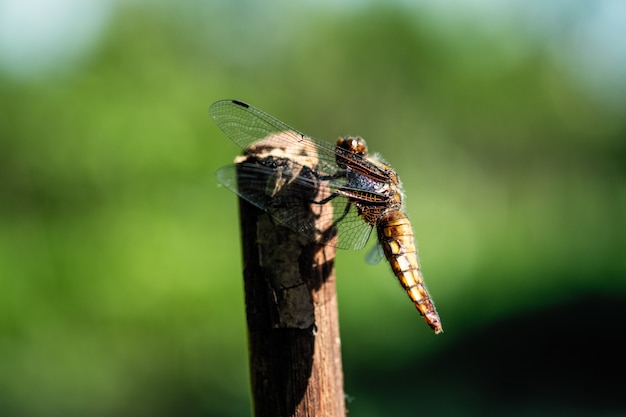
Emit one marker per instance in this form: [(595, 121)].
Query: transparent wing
[(375, 255), (245, 125), (296, 210)]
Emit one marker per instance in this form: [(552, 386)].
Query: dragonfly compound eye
[(353, 144)]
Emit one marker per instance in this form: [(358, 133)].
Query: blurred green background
[(120, 267)]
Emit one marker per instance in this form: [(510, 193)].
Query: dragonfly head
[(353, 144), (350, 148)]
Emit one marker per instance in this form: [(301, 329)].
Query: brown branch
[(293, 330)]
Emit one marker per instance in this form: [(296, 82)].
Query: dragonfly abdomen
[(395, 235)]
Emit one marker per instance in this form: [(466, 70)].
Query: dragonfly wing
[(287, 192), (245, 125), (294, 206), (253, 191), (353, 230), (375, 255)]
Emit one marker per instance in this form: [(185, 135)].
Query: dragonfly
[(363, 191)]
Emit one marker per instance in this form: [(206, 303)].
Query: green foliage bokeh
[(120, 287)]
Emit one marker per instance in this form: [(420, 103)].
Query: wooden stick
[(293, 330)]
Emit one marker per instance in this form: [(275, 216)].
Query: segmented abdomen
[(396, 238)]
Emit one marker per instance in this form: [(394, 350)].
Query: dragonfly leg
[(327, 199), (345, 213), (338, 175)]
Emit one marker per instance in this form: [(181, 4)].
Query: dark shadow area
[(562, 360)]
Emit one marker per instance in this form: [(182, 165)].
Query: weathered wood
[(293, 329)]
